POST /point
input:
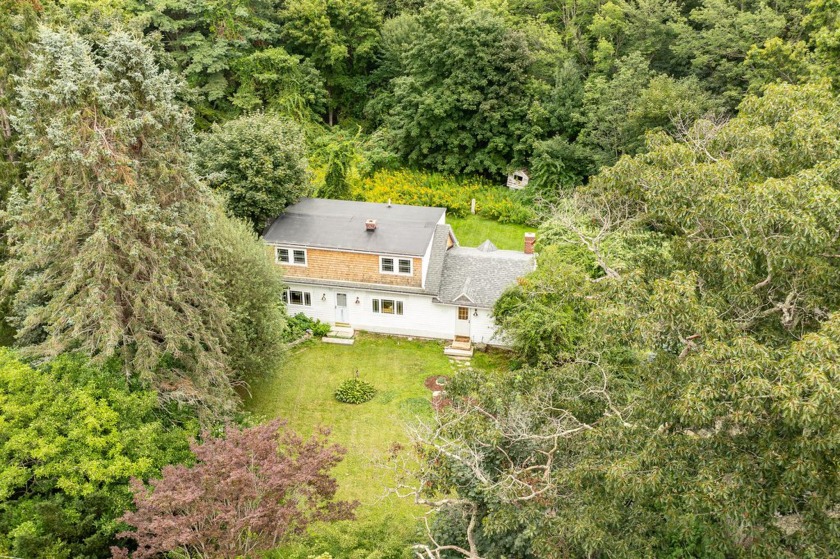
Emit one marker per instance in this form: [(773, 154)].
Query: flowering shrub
[(432, 189)]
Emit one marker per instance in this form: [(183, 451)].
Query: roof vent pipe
[(370, 225)]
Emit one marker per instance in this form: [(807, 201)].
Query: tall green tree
[(340, 38), (107, 244), (618, 111), (461, 101), (257, 163), (207, 39), (73, 435), (685, 397), (716, 41)]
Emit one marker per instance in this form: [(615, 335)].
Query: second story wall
[(350, 266)]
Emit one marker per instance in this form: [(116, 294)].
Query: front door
[(341, 314), (462, 324)]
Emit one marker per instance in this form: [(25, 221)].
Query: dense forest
[(674, 381)]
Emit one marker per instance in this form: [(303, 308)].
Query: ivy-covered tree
[(72, 437), (248, 492), (107, 243), (257, 163)]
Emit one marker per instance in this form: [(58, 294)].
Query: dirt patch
[(440, 401), (436, 383)]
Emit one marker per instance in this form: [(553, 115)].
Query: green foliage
[(107, 247), (542, 316), (274, 80), (557, 166), (461, 96), (432, 189), (355, 391), (720, 34), (619, 111), (72, 436), (824, 21), (257, 163), (368, 538), (207, 39), (251, 285), (297, 325), (339, 38), (684, 335)]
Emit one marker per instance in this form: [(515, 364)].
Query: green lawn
[(474, 230), (302, 393)]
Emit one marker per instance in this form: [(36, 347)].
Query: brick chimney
[(370, 225), (530, 240)]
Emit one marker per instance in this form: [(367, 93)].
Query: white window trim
[(399, 304), (291, 261), (287, 296), (396, 271)]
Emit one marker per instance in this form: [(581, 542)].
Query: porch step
[(462, 345), (340, 341), (343, 324), (462, 339), (341, 332), (454, 352)]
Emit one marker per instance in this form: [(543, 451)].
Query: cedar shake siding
[(358, 267)]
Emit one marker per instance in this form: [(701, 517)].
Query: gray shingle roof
[(434, 274), (477, 277), (340, 224)]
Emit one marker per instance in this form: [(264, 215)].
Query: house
[(518, 179), (391, 269)]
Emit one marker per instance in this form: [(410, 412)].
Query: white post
[(472, 206)]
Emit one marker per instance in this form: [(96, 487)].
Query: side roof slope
[(477, 277)]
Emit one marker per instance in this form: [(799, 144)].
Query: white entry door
[(341, 313), (462, 323)]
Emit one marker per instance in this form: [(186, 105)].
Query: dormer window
[(389, 265), (291, 256)]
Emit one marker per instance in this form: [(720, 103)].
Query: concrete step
[(340, 341), (455, 352), (341, 332), (458, 344)]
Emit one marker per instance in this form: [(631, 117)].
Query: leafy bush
[(433, 189), (354, 391), (73, 434), (297, 325)]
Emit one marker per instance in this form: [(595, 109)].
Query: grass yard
[(474, 230), (302, 393)]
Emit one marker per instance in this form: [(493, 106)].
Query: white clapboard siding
[(421, 317)]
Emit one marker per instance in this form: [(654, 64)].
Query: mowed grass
[(302, 393), (473, 230)]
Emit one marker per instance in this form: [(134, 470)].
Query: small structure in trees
[(518, 179)]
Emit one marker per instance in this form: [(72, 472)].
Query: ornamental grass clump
[(355, 391)]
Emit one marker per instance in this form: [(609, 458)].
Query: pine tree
[(107, 245)]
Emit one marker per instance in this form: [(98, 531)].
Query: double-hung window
[(390, 265), (292, 256), (387, 306), (294, 297)]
